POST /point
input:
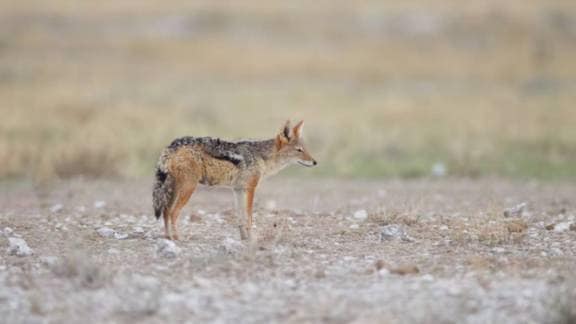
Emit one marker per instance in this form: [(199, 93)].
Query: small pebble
[(106, 232), (56, 208), (99, 204), (361, 215), (167, 248), (19, 247)]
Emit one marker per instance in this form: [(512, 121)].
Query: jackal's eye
[(299, 149)]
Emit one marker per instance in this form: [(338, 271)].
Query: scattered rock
[(61, 227), (106, 232), (550, 227), (499, 250), (360, 215), (99, 204), (7, 231), (573, 227), (120, 236), (394, 232), (562, 227), (167, 248), (383, 272), (56, 208), (149, 235), (354, 226), (556, 252), (516, 211), (19, 247)]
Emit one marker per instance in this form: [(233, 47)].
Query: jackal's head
[(290, 147)]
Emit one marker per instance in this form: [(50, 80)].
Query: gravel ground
[(420, 251)]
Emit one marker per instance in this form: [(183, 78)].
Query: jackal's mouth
[(307, 164)]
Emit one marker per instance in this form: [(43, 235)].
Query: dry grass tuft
[(490, 229), (384, 216)]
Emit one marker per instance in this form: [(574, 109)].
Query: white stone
[(354, 226), (120, 236), (562, 227), (167, 248), (516, 211), (8, 231), (99, 204), (106, 232), (394, 232), (499, 250), (19, 247), (427, 278), (230, 246), (361, 215), (383, 272), (56, 208)]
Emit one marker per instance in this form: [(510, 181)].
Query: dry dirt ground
[(98, 254)]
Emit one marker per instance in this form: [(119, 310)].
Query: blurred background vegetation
[(387, 88)]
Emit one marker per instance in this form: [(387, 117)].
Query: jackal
[(189, 161)]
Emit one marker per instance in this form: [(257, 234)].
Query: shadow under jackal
[(189, 161)]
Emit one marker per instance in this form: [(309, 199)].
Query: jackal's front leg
[(240, 204), (250, 190)]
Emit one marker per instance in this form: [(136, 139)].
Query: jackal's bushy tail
[(163, 187)]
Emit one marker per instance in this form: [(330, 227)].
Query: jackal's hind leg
[(183, 195), (166, 224)]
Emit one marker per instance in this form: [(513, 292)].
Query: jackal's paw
[(252, 237), (243, 233), (172, 237)]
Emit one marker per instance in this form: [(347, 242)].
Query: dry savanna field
[(444, 132), (387, 88)]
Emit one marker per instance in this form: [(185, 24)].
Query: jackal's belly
[(219, 173)]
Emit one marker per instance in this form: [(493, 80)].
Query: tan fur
[(190, 161)]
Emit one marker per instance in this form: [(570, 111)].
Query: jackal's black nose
[(314, 162)]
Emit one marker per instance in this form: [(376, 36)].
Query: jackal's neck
[(273, 162)]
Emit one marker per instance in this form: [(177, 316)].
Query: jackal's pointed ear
[(284, 136), (298, 129)]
